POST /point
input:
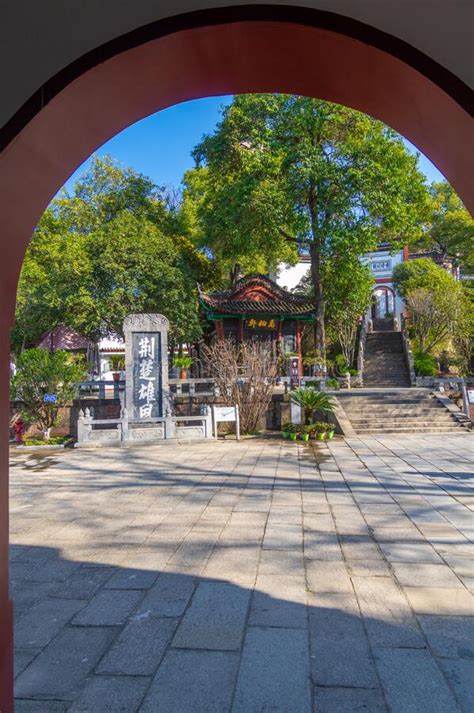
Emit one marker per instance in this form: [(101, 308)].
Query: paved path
[(249, 577)]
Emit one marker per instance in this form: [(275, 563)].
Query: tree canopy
[(284, 173), (451, 228), (110, 247), (422, 272)]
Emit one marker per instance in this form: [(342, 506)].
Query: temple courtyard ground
[(248, 577)]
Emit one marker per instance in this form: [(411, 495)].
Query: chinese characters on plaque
[(261, 323), (147, 389)]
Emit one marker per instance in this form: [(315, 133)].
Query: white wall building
[(386, 304)]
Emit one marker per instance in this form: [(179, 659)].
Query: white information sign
[(470, 396), (222, 414)]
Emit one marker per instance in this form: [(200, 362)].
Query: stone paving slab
[(246, 577)]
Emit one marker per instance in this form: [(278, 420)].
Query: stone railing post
[(124, 424), (84, 425), (361, 354)]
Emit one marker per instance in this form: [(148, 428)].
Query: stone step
[(383, 431), (390, 423), (386, 384), (397, 413)]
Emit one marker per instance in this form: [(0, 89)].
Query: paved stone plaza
[(247, 577)]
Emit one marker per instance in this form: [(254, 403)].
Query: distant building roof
[(256, 294), (64, 338), (111, 343)]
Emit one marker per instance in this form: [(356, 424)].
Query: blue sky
[(160, 146)]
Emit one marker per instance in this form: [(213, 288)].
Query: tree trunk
[(319, 300), (234, 274)]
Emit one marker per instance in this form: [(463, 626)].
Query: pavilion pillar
[(220, 330), (298, 346), (241, 330)]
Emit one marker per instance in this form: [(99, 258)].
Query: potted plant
[(292, 430), (330, 431), (286, 430), (321, 430), (304, 433), (311, 430), (312, 401), (183, 363), (117, 364)]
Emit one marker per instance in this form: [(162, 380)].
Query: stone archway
[(217, 54)]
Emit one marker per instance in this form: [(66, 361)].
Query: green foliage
[(348, 288), (56, 441), (182, 362), (451, 228), (282, 173), (110, 248), (441, 308), (311, 401), (343, 367), (41, 372), (425, 364), (332, 383), (423, 272), (117, 362)]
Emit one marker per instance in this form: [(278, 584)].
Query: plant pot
[(183, 374), (305, 436), (116, 376), (330, 434), (320, 436), (285, 434), (293, 436)]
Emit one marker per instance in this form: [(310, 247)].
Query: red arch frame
[(214, 55)]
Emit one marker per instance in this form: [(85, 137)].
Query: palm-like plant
[(311, 401)]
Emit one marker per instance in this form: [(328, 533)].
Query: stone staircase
[(384, 361), (397, 411)]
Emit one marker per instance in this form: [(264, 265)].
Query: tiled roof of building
[(256, 294), (65, 338)]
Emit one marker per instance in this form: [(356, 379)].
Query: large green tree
[(110, 247), (451, 228), (284, 173)]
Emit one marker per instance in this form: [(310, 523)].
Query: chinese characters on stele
[(147, 386)]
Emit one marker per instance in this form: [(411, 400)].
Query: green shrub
[(117, 362), (44, 382), (311, 401), (332, 383), (343, 367), (182, 362), (425, 364)]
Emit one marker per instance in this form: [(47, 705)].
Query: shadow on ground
[(99, 638)]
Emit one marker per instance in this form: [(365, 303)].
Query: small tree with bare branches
[(244, 375)]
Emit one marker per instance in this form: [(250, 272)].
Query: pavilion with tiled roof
[(257, 308)]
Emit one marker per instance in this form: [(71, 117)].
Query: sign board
[(147, 389), (261, 323), (50, 398), (225, 414), (470, 396)]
